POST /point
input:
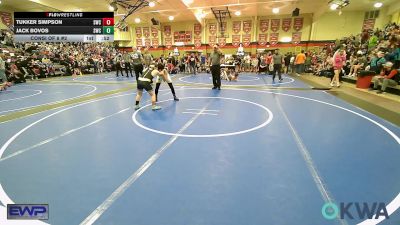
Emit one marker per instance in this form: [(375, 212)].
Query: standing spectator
[(339, 59), (137, 60), (287, 62), (268, 61), (118, 64), (299, 62), (215, 64), (277, 60), (128, 63), (3, 76), (147, 58), (191, 60)]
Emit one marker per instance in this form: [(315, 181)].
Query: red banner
[(154, 32), (212, 27), (139, 43), (197, 29), (168, 42), (236, 26), (247, 26), (154, 42), (246, 39), (262, 39), (273, 38), (146, 32), (197, 41), (275, 24), (147, 42), (167, 30), (264, 24), (6, 18), (368, 24), (138, 32), (212, 40), (298, 24), (235, 40), (296, 37), (222, 42), (286, 24)]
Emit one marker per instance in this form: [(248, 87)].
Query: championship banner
[(168, 42), (368, 24), (235, 40), (139, 43), (6, 18), (222, 42), (246, 39), (197, 29), (296, 37), (247, 26), (197, 41), (262, 39), (167, 30), (275, 24), (154, 42), (146, 32), (236, 26), (212, 28), (264, 24), (154, 32), (273, 38), (147, 42), (298, 24), (286, 24), (138, 32), (212, 40)]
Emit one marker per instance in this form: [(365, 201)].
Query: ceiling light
[(171, 18), (238, 13), (378, 4), (152, 4), (275, 10), (113, 5), (137, 20), (334, 6), (187, 2), (110, 8)]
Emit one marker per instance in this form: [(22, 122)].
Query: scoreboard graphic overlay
[(64, 26)]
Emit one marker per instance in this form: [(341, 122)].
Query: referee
[(215, 65)]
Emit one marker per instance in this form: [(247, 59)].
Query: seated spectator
[(377, 63), (388, 77)]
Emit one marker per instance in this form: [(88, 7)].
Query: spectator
[(388, 77), (299, 62)]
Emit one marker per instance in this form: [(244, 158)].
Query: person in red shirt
[(388, 77), (268, 61)]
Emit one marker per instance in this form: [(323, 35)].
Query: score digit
[(108, 21)]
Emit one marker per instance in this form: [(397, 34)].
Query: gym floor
[(255, 152)]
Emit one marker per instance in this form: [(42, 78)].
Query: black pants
[(119, 69), (128, 69), (192, 67), (138, 68), (216, 75), (277, 69)]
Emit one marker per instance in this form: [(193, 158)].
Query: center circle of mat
[(263, 124)]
